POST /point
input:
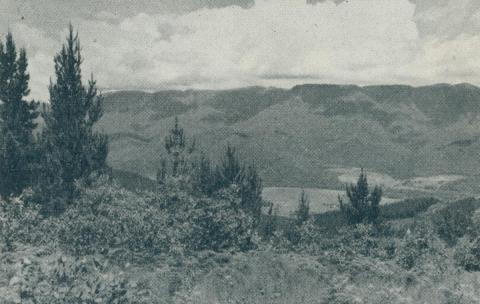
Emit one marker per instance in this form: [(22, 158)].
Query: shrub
[(106, 217), (214, 223), (467, 253), (18, 222), (419, 245), (66, 280), (302, 237), (452, 221), (467, 250)]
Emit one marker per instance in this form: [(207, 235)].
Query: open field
[(321, 200)]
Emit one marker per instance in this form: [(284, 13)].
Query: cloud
[(278, 43), (447, 18)]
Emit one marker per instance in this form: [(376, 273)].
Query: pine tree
[(176, 146), (363, 205), (68, 138), (162, 172), (17, 120), (231, 170), (271, 221), (375, 199), (205, 177), (251, 193), (303, 211)]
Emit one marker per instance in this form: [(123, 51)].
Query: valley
[(413, 140)]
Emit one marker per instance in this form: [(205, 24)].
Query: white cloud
[(281, 42)]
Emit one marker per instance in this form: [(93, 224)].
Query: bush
[(215, 223), (467, 253), (218, 224), (419, 246), (67, 280), (301, 237), (107, 217), (467, 249), (18, 222), (452, 221)]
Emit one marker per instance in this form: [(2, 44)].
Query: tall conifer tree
[(17, 120), (69, 139)]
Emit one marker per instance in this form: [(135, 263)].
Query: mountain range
[(301, 136)]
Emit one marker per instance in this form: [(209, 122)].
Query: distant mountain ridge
[(295, 135)]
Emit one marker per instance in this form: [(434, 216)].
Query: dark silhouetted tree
[(179, 152), (68, 139), (271, 221), (362, 205), (17, 120), (303, 211), (251, 193), (204, 177), (230, 171), (162, 172)]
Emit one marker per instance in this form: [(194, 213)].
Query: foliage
[(16, 120), (304, 237), (452, 221), (411, 248), (467, 249), (303, 211), (105, 217), (179, 152), (196, 175), (204, 177), (467, 253), (230, 171), (251, 194), (18, 222), (71, 149), (270, 223), (217, 223), (363, 205), (71, 280)]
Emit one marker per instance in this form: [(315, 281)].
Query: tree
[(162, 172), (204, 177), (230, 170), (271, 221), (177, 149), (363, 205), (17, 120), (69, 139), (303, 211), (251, 193)]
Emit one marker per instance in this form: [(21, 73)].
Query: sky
[(216, 44)]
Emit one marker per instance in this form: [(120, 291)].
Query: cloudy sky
[(213, 44)]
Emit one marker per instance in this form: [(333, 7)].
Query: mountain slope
[(296, 136)]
